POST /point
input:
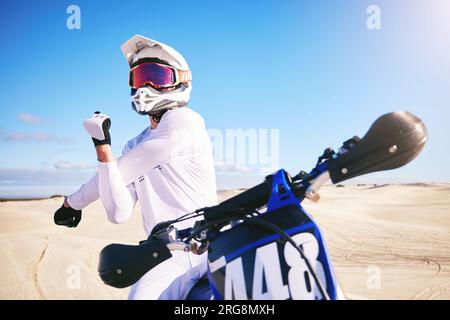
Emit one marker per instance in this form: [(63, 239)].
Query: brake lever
[(188, 247), (195, 248), (179, 246), (313, 189)]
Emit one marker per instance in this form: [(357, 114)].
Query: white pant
[(172, 279)]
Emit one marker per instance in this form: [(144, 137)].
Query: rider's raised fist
[(97, 126)]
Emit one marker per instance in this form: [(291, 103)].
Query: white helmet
[(147, 100)]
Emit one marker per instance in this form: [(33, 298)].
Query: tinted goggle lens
[(154, 74)]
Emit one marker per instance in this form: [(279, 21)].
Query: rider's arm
[(69, 214), (116, 199), (85, 195), (88, 193)]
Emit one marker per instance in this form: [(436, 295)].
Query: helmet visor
[(154, 74)]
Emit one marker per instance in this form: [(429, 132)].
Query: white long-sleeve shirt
[(170, 170)]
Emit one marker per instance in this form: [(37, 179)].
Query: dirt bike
[(261, 243)]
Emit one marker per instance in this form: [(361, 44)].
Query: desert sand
[(386, 242)]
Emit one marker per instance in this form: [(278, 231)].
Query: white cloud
[(66, 165), (226, 181), (11, 177), (226, 167), (37, 182), (33, 137), (29, 118)]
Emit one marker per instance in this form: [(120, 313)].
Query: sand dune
[(389, 242)]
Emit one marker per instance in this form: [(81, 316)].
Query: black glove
[(68, 217), (105, 126), (97, 127)]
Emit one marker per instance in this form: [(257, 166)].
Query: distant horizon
[(48, 195)]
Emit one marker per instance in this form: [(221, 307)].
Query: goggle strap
[(184, 76)]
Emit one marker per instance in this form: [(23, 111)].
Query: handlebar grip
[(238, 205)]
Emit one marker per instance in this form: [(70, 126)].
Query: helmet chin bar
[(149, 101), (160, 110)]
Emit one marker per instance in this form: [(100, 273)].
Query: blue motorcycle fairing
[(240, 245)]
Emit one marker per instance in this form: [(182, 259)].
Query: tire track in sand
[(35, 269)]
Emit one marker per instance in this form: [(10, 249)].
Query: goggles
[(157, 75)]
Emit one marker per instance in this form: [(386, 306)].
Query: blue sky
[(311, 69)]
